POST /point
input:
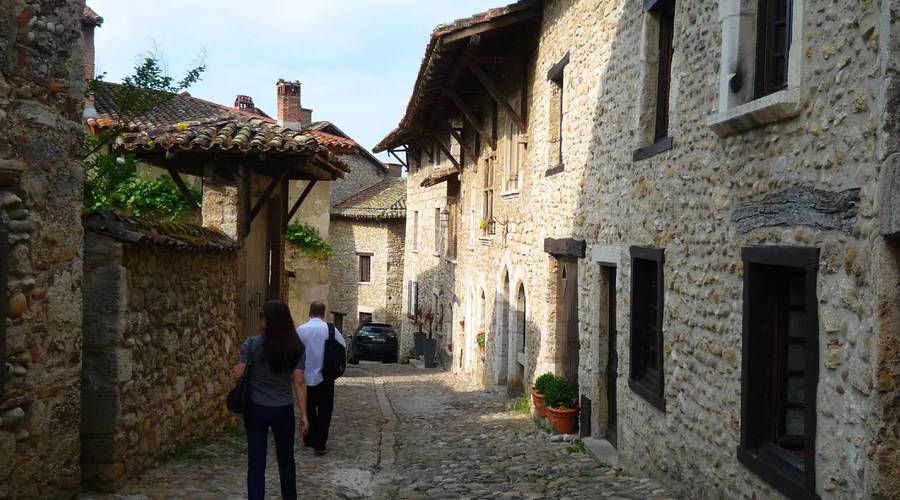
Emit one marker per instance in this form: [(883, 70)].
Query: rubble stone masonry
[(823, 175), (41, 177)]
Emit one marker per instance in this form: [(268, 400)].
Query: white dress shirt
[(313, 334)]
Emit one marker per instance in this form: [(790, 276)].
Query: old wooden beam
[(185, 192), (494, 92), (565, 247), (267, 194), (800, 206), (469, 115), (445, 148), (499, 22), (395, 155), (465, 147), (309, 187)]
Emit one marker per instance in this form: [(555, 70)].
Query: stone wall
[(161, 335), (310, 276), (364, 173), (702, 201), (383, 240), (41, 100)]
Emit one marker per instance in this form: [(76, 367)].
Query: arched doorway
[(517, 345)]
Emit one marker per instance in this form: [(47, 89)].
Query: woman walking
[(276, 377)]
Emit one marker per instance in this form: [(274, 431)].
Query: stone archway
[(501, 348)]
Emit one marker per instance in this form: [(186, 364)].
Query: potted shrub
[(480, 339), (537, 393), (562, 409)]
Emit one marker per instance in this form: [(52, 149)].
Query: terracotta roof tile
[(385, 200), (185, 237), (439, 175)]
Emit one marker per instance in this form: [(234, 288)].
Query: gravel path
[(401, 433)]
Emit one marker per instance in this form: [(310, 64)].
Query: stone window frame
[(648, 144), (738, 109), (556, 75), (415, 232), (360, 317), (359, 259), (516, 149), (651, 389), (765, 460)]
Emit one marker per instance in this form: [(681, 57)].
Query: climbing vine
[(309, 241), (114, 182)]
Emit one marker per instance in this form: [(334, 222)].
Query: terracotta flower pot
[(563, 419), (538, 400)]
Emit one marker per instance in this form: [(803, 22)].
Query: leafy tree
[(114, 183)]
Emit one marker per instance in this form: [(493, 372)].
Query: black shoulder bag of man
[(334, 359), (239, 398)]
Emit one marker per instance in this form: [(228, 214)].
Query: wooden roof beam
[(465, 147), (185, 192), (445, 148), (267, 194), (303, 195), (499, 22), (492, 89), (469, 115)]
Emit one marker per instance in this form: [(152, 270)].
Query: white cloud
[(356, 59)]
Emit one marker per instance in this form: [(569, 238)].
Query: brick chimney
[(290, 112), (244, 103), (394, 170), (89, 21)]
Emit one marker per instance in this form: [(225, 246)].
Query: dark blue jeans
[(257, 420)]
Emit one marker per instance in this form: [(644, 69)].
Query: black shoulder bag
[(239, 398), (334, 359)]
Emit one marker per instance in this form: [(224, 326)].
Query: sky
[(356, 60)]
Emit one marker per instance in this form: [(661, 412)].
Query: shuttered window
[(646, 375)]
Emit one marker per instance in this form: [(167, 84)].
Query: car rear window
[(378, 329)]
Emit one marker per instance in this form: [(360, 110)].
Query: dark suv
[(374, 342)]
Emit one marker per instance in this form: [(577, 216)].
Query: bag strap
[(331, 329)]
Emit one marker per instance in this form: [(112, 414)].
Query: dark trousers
[(319, 406), (257, 420)]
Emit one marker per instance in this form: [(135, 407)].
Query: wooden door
[(256, 272), (568, 345), (612, 358)]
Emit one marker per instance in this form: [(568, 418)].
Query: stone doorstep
[(602, 451)]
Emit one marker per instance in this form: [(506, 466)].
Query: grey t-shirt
[(267, 388)]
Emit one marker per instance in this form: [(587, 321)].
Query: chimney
[(89, 21), (244, 103), (394, 170), (290, 113)]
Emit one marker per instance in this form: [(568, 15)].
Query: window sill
[(772, 108), (363, 282), (643, 391), (555, 170), (785, 478), (509, 195), (654, 149)]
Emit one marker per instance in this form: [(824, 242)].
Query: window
[(415, 235), (773, 39), (557, 112), (780, 367), (516, 146), (646, 376), (487, 207), (365, 268), (365, 318), (761, 66), (338, 320), (664, 75)]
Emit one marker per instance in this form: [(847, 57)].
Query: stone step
[(602, 451)]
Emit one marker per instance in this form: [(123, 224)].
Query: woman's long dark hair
[(282, 349)]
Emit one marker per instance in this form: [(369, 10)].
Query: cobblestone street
[(406, 434)]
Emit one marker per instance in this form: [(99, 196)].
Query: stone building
[(41, 98), (687, 208), (366, 272)]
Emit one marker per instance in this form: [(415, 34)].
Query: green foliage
[(577, 446), (541, 383), (544, 427), (522, 406), (113, 183), (308, 240), (481, 339), (559, 393)]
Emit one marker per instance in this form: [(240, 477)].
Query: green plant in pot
[(537, 392), (562, 408)]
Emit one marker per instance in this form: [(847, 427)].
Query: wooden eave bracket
[(303, 195), (393, 152), (267, 194), (444, 148), (185, 192), (471, 118), (488, 83)]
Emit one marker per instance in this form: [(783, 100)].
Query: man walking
[(320, 392)]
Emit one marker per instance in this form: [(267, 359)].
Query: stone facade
[(729, 181), (381, 297), (41, 178), (161, 334)]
